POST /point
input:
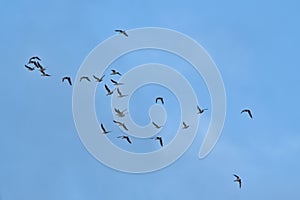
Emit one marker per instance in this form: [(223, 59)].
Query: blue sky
[(255, 46)]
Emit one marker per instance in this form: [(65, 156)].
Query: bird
[(160, 140), (120, 113), (238, 179), (115, 72), (85, 77), (33, 58), (248, 111), (125, 137), (200, 111), (121, 124), (185, 126), (109, 92), (104, 131), (29, 68), (120, 93), (67, 78), (99, 79), (122, 32), (44, 73), (156, 125), (159, 99), (116, 83)]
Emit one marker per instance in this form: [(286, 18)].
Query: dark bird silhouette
[(104, 131), (85, 77), (109, 92), (115, 72), (120, 113), (67, 78), (116, 83), (38, 65), (200, 111), (29, 68), (160, 140), (33, 58), (44, 73), (125, 137), (122, 32), (247, 111), (159, 99), (185, 126), (122, 124), (98, 79), (120, 94), (238, 179), (156, 125)]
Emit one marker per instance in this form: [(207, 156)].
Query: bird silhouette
[(115, 72), (121, 124), (99, 79), (109, 92), (159, 99), (68, 79), (200, 111), (185, 126), (238, 179), (85, 78), (104, 131), (120, 113), (29, 68), (120, 93), (116, 83), (122, 32), (156, 125), (247, 111), (125, 137), (160, 140)]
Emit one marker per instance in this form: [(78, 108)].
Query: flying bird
[(247, 111), (99, 79), (29, 68), (156, 125), (120, 93), (122, 32), (67, 78), (125, 137), (159, 99), (104, 131), (122, 124), (200, 111), (109, 92), (38, 65), (238, 179), (85, 77), (115, 72), (120, 113), (160, 140), (116, 83), (185, 126)]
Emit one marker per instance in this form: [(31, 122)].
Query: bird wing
[(124, 126), (119, 92), (102, 127), (128, 140), (119, 123), (125, 33), (156, 125), (236, 176), (69, 80), (107, 89), (161, 142), (250, 114), (113, 81), (95, 77)]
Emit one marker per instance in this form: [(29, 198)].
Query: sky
[(255, 45)]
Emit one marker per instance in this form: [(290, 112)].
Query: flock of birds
[(34, 63)]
